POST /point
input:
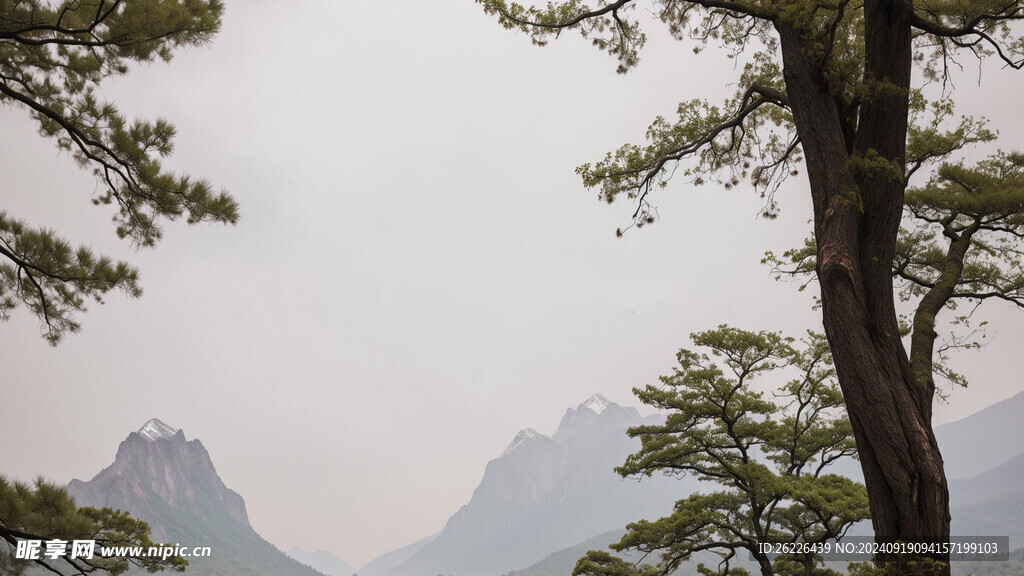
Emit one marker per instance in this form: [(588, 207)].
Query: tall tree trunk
[(858, 203)]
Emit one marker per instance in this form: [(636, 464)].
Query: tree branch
[(943, 31), (765, 95)]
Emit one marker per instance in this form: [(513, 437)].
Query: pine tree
[(45, 512), (53, 59), (767, 455)]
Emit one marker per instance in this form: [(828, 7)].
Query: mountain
[(562, 562), (597, 415), (544, 493), (323, 562), (984, 460), (1000, 483), (984, 439), (157, 468), (171, 483), (991, 503), (389, 560)]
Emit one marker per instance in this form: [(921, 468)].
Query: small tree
[(53, 57), (768, 454), (45, 512)]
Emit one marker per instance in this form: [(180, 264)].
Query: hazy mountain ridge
[(991, 503), (389, 560), (171, 483), (984, 440), (321, 561), (546, 493), (562, 562), (984, 460), (1002, 482), (988, 504)]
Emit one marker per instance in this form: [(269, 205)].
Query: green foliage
[(929, 137), (865, 569), (608, 30), (767, 453), (728, 141), (601, 562), (45, 511), (52, 61), (53, 279)]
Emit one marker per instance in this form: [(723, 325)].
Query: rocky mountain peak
[(522, 437), (597, 410), (155, 429), (596, 403), (170, 482), (148, 476), (543, 494)]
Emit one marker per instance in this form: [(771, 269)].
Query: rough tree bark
[(857, 185)]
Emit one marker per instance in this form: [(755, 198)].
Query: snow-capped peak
[(523, 436), (596, 403), (156, 429)]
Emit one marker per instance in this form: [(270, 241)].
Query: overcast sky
[(417, 274)]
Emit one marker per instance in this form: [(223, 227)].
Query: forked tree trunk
[(855, 167)]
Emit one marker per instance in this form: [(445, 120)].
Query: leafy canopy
[(767, 455), (53, 58)]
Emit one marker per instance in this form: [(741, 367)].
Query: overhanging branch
[(755, 97), (1012, 11)]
